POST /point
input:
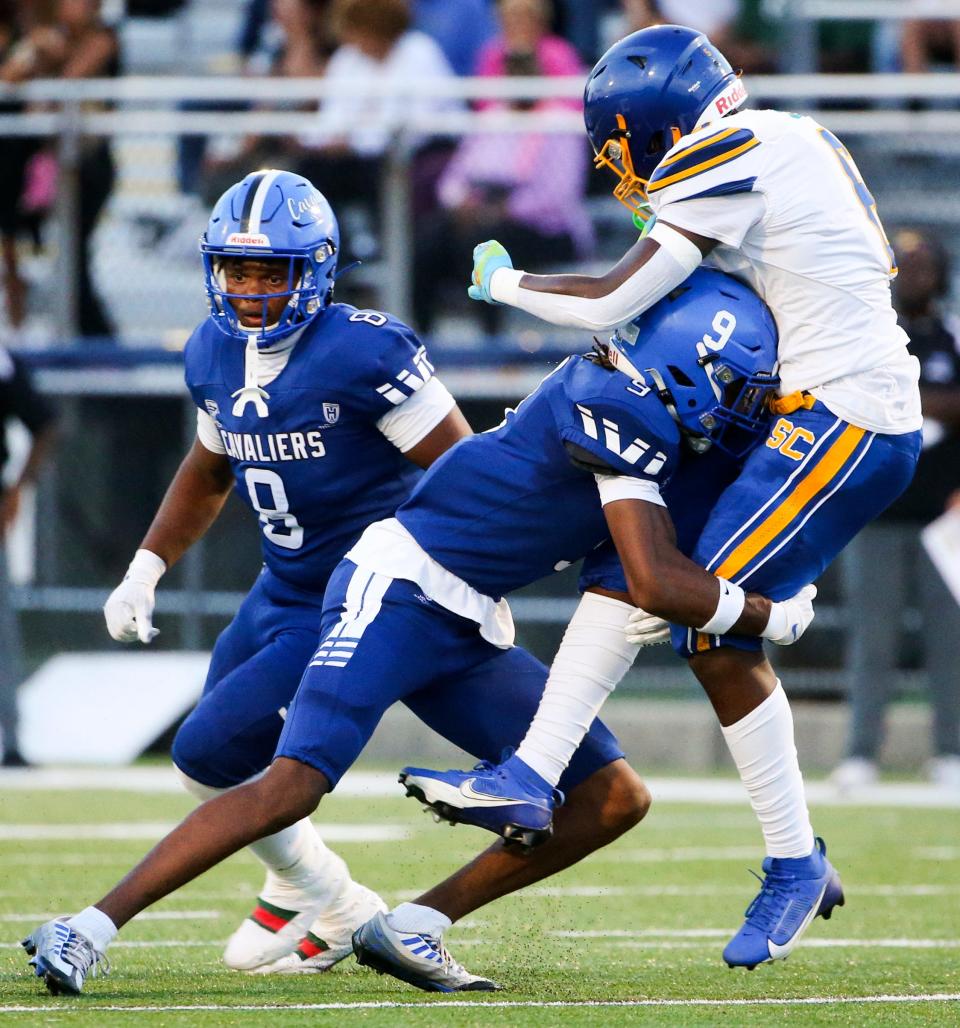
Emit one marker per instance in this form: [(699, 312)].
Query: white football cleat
[(420, 960), (277, 940), (63, 957)]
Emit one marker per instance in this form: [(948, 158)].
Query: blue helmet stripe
[(259, 199), (248, 202)]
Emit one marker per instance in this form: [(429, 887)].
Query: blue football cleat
[(508, 799), (794, 891)]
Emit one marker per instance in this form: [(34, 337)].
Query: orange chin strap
[(631, 190)]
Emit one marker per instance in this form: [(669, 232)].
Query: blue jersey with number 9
[(507, 507), (314, 468)]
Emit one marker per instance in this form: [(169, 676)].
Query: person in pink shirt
[(525, 29), (525, 187)]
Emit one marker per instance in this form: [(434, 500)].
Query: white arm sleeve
[(676, 257), (411, 421), (208, 433), (623, 487), (592, 659)]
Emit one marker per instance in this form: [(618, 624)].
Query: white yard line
[(146, 915), (657, 939), (148, 944), (937, 852), (135, 830), (644, 933), (806, 1001), (714, 791), (656, 891), (662, 938), (657, 855), (652, 944), (160, 780)]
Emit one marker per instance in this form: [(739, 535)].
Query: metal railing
[(150, 107)]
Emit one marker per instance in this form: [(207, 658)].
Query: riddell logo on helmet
[(244, 239), (730, 99)]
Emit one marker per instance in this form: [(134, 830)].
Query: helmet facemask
[(307, 290), (740, 417), (631, 190)]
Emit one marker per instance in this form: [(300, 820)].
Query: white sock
[(96, 926), (296, 856), (593, 657), (412, 917), (763, 749)]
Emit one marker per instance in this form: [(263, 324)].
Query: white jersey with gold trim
[(795, 221)]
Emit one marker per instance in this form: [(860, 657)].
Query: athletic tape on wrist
[(729, 608), (146, 566)]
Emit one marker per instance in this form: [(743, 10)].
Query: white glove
[(129, 608), (789, 619), (643, 629)]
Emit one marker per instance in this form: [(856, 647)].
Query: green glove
[(487, 257)]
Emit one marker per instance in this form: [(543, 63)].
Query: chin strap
[(251, 391), (697, 443)]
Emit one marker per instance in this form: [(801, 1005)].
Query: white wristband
[(505, 285), (729, 608), (146, 567)]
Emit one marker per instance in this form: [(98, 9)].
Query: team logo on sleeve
[(611, 440), (331, 413), (213, 408), (408, 382)]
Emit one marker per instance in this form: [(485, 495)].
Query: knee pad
[(205, 792), (196, 789)]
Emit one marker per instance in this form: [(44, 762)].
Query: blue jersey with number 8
[(316, 470)]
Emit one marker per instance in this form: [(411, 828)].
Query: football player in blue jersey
[(777, 200), (320, 416), (416, 613)]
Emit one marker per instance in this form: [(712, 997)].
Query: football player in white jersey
[(777, 200)]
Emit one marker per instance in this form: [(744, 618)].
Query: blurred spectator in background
[(296, 43), (736, 27), (526, 187), (525, 44), (18, 400), (265, 35), (929, 42), (343, 150), (461, 27), (717, 18), (77, 44), (17, 151), (887, 554)]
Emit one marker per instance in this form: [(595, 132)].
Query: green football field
[(631, 936)]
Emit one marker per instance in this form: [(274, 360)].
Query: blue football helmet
[(709, 350), (648, 90), (272, 215)]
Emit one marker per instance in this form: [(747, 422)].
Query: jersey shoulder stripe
[(715, 150)]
